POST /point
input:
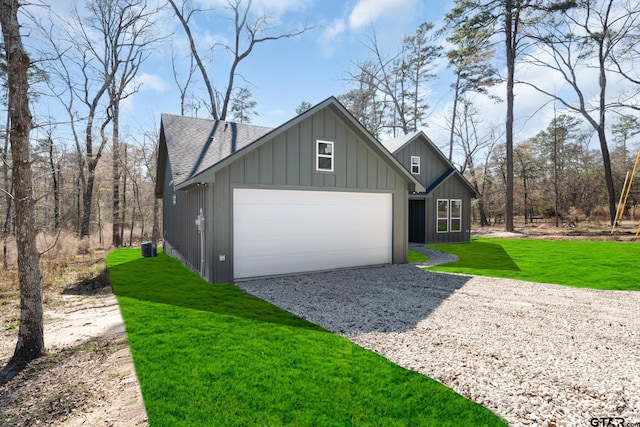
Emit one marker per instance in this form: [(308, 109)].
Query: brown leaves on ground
[(89, 384), (87, 378)]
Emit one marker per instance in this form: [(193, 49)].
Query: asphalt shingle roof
[(194, 145), (394, 144)]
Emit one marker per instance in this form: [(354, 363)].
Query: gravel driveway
[(535, 354)]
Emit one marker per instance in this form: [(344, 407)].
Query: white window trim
[(438, 218), (451, 217), (418, 165), (325, 156)]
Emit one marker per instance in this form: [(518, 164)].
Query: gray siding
[(288, 162), (179, 228), (431, 167), (452, 188)]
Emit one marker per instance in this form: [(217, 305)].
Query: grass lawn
[(417, 257), (579, 263), (213, 355)]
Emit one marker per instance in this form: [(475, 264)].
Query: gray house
[(442, 213), (317, 193)]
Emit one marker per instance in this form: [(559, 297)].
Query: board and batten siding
[(287, 161), (452, 188), (431, 167), (180, 234)]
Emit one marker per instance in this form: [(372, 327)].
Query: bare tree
[(73, 63), (184, 14), (509, 19), (30, 343), (366, 102), (397, 81), (126, 28), (571, 40), (96, 58), (4, 158), (475, 143), (249, 31), (527, 166), (183, 88)]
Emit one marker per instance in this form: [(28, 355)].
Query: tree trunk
[(201, 66), (608, 175), (155, 230), (56, 192), (510, 50), (30, 334), (456, 95), (78, 206), (87, 197), (8, 221), (115, 176), (123, 202), (602, 137)]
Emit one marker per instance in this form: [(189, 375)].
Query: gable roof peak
[(195, 144)]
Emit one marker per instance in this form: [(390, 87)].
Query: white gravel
[(535, 354)]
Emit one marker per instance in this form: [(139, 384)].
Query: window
[(456, 216), (324, 156), (449, 216), (443, 215), (415, 165)]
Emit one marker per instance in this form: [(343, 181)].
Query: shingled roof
[(194, 145), (395, 144)]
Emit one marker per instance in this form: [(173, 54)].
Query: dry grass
[(82, 382), (65, 260), (583, 230), (64, 264)]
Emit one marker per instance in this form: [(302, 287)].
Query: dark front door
[(416, 221)]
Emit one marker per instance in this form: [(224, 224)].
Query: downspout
[(200, 223)]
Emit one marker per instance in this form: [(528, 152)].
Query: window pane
[(442, 225), (324, 148), (324, 163), (455, 208), (455, 225), (415, 169), (415, 160), (443, 209)]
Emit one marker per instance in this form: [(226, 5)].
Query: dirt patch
[(547, 231), (87, 376)]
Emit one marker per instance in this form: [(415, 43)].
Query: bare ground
[(87, 377)]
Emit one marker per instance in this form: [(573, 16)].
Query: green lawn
[(579, 263), (417, 257), (213, 355)]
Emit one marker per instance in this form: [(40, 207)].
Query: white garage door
[(284, 231)]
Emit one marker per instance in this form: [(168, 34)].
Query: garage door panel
[(285, 231)]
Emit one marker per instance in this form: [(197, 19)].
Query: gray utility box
[(149, 249)]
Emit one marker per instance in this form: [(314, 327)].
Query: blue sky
[(310, 67), (313, 66), (281, 74)]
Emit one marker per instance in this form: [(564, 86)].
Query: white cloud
[(367, 12), (329, 36), (152, 82)]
